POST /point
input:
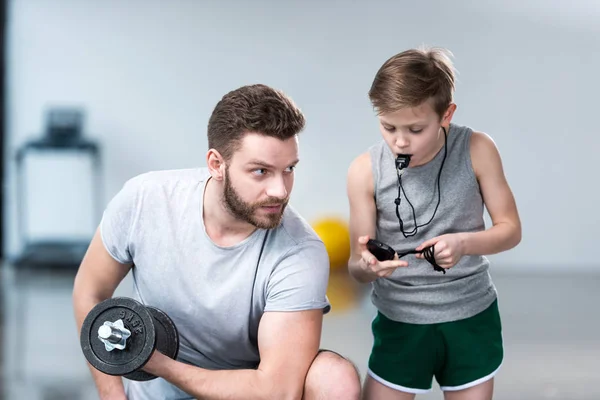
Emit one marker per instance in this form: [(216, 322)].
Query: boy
[(426, 184)]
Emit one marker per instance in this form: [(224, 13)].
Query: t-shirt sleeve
[(299, 281), (118, 219)]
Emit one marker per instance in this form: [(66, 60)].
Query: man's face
[(259, 179), (415, 131)]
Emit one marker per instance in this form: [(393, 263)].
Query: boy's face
[(415, 131), (259, 179)]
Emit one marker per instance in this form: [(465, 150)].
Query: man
[(242, 275)]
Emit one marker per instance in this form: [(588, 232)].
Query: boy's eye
[(389, 128), (416, 130)]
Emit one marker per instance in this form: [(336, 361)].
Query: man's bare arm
[(96, 280), (288, 343)]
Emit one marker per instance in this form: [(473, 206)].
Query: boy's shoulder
[(364, 160), (360, 167), (481, 142)]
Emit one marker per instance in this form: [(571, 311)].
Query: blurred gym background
[(95, 92)]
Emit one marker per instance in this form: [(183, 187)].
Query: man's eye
[(291, 168), (259, 172)]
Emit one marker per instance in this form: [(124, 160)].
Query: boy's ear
[(447, 118)]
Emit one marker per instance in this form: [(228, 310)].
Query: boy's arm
[(363, 215), (361, 198), (505, 232), (96, 280), (288, 343)]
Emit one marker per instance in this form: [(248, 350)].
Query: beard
[(247, 212)]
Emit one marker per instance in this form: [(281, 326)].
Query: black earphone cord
[(401, 189), (428, 252)]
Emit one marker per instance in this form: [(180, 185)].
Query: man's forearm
[(109, 387), (498, 238), (247, 384)]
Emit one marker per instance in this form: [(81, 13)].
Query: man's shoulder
[(295, 230), (169, 178)]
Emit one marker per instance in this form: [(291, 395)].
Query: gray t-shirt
[(215, 295), (418, 294)]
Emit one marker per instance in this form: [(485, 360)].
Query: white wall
[(149, 73)]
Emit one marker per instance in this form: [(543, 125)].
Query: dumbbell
[(119, 335)]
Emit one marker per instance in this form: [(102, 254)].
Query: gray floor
[(551, 331)]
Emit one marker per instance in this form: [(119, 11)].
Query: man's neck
[(222, 227)]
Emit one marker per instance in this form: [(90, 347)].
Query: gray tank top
[(418, 294)]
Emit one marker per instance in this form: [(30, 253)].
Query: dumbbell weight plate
[(139, 346), (167, 341)]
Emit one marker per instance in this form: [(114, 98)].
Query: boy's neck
[(440, 142)]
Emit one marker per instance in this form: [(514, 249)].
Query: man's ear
[(216, 164)]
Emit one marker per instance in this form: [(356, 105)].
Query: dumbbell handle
[(110, 334), (114, 335)]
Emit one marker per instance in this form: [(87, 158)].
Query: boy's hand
[(448, 249), (372, 265)]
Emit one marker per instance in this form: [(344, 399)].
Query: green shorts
[(459, 354)]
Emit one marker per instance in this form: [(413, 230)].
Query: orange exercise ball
[(335, 234)]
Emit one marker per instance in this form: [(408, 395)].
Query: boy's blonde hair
[(410, 78)]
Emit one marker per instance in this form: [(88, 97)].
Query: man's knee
[(332, 377)]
